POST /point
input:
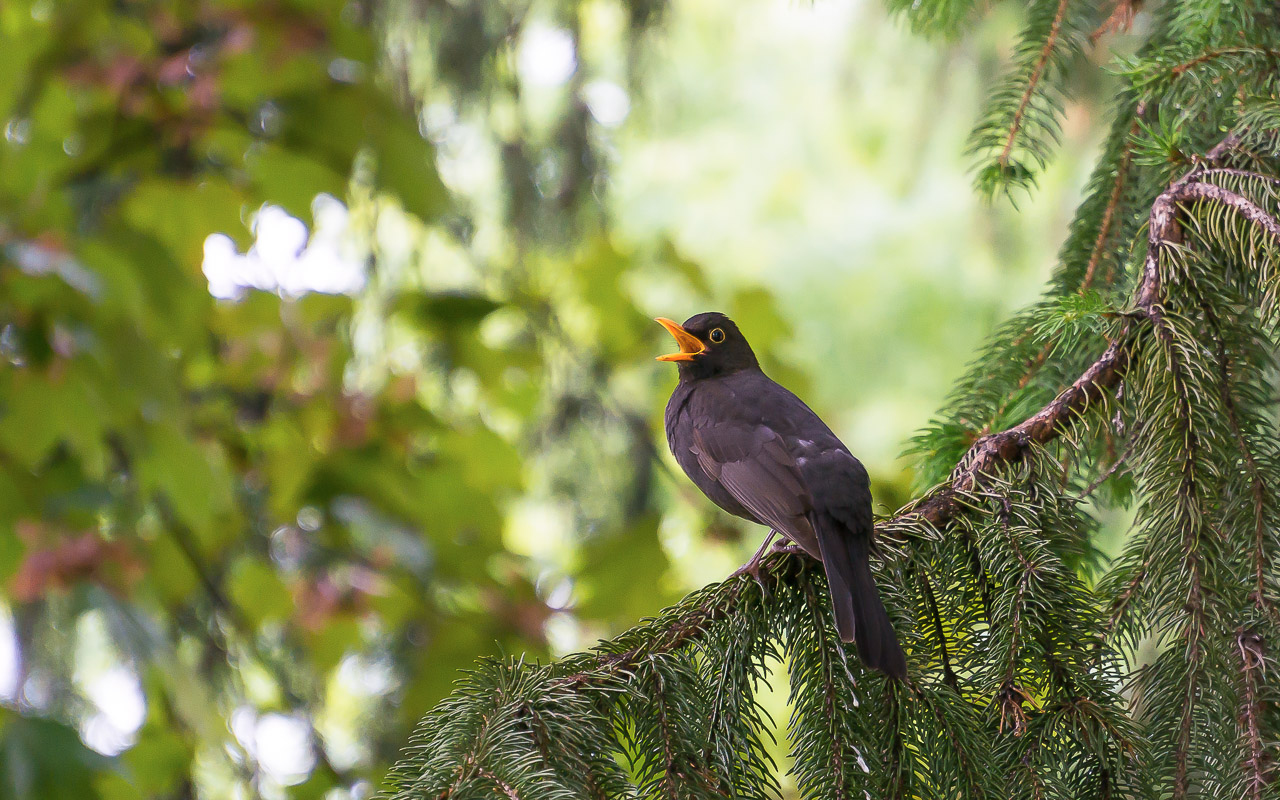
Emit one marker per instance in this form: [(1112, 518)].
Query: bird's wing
[(752, 462), (840, 489)]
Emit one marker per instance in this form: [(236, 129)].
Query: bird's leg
[(763, 546), (752, 567)]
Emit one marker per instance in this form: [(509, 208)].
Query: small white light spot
[(8, 656), (284, 747), (346, 70), (18, 131), (268, 119), (280, 743), (608, 102), (436, 120), (546, 56), (560, 595), (121, 711), (310, 518)]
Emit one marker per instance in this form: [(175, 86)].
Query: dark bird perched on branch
[(757, 451)]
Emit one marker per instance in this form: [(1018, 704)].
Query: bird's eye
[(717, 336)]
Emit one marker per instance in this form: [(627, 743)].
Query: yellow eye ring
[(717, 336)]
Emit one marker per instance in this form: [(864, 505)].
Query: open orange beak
[(690, 345)]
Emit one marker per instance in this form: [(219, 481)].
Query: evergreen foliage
[(1145, 378)]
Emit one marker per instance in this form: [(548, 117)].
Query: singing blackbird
[(757, 451)]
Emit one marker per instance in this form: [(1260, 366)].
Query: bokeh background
[(327, 360)]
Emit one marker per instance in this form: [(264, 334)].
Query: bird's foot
[(769, 547), (752, 568)]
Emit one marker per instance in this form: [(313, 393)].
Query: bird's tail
[(860, 615)]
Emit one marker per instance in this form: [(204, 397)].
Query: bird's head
[(710, 344)]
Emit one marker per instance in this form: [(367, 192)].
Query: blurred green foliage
[(230, 523)]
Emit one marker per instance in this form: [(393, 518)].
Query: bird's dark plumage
[(757, 451)]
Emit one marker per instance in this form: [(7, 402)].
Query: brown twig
[(1024, 579), (1121, 19), (1005, 446), (1036, 73), (1033, 367), (1181, 755), (669, 772), (1111, 470), (1121, 604), (1010, 699), (1257, 487), (1210, 55), (502, 787), (1108, 214), (1252, 664)]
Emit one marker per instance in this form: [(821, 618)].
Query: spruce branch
[(1257, 485), (825, 683), (1026, 573), (1110, 471), (1241, 173), (1121, 19), (1212, 55), (948, 674), (670, 768), (1252, 666), (990, 452), (676, 629), (1113, 200), (1023, 120), (1037, 72), (1164, 233)]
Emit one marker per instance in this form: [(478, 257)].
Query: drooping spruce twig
[(1033, 82)]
